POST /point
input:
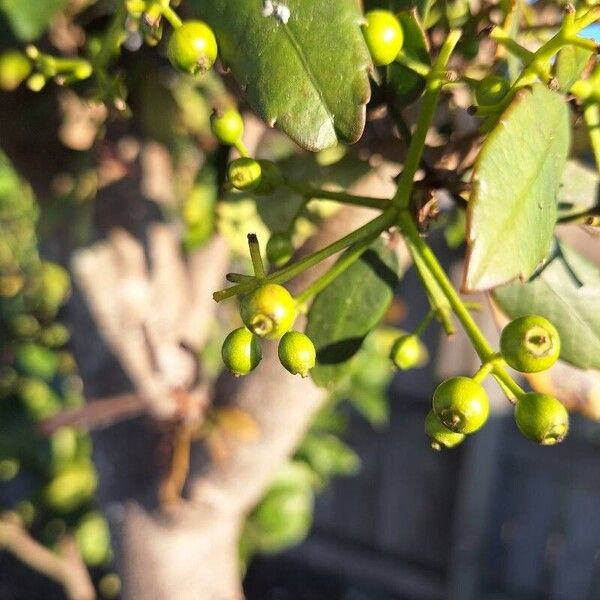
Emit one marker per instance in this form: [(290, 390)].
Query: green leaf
[(29, 18), (308, 75), (328, 455), (405, 85), (348, 309), (512, 211), (570, 63), (567, 292), (579, 188)]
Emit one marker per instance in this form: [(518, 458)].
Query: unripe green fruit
[(93, 539), (407, 352), (461, 404), (269, 311), (542, 418), (244, 173), (37, 361), (490, 90), (71, 488), (192, 48), (279, 249), (439, 434), (271, 177), (14, 69), (55, 287), (383, 35), (530, 344), (227, 126), (241, 351), (297, 353)]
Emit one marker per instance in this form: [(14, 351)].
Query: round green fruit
[(14, 69), (542, 418), (490, 90), (269, 311), (461, 404), (407, 352), (192, 48), (244, 173), (241, 351), (93, 539), (439, 434), (297, 353), (227, 126), (383, 35), (71, 488), (280, 249), (530, 344)]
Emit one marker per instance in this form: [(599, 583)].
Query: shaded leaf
[(328, 455), (570, 63), (29, 18), (567, 292), (512, 211), (405, 85), (295, 72), (579, 188), (348, 309)]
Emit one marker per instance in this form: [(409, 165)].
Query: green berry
[(461, 404), (14, 69), (279, 249), (244, 173), (407, 352), (271, 177), (439, 434), (269, 311), (542, 418), (227, 126), (93, 539), (490, 90), (192, 48), (530, 344), (384, 36), (241, 351), (297, 353)]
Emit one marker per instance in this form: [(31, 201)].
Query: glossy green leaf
[(512, 211), (348, 309), (567, 292), (404, 84), (570, 63), (303, 65), (29, 18)]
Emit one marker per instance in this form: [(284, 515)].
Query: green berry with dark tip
[(227, 126), (439, 434), (542, 418), (269, 311), (530, 344), (461, 404), (244, 173), (192, 48)]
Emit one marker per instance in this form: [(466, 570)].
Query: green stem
[(171, 16), (257, 261), (414, 65), (350, 256), (239, 277), (435, 80), (312, 193), (373, 227), (479, 341), (241, 148), (591, 116), (424, 324)]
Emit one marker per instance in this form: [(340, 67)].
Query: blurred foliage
[(49, 481)]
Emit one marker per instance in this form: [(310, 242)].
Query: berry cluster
[(528, 344), (268, 312)]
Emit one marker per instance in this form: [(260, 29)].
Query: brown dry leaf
[(237, 423)]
